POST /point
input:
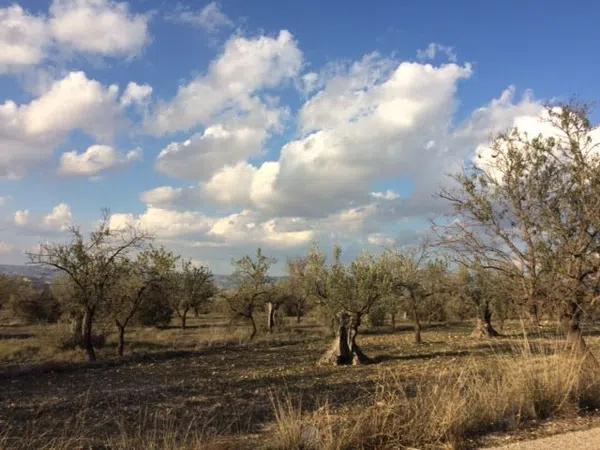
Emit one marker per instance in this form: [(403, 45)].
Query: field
[(208, 387)]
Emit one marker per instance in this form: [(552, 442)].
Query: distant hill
[(42, 274), (36, 273)]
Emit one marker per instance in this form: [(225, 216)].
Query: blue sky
[(309, 121)]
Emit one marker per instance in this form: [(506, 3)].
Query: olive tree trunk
[(121, 329), (87, 334), (344, 350), (183, 318), (571, 322), (77, 329), (483, 327), (271, 309), (253, 323)]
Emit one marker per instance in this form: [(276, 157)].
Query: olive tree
[(150, 270), (416, 277), (349, 291), (252, 288), (191, 288), (93, 266), (530, 208), (296, 276), (476, 286)]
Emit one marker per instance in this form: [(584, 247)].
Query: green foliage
[(28, 304), (155, 310), (376, 316)]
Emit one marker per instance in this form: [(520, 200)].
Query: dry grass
[(445, 411), (208, 387), (150, 432)]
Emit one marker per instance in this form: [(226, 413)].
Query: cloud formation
[(210, 18), (30, 132), (71, 26), (58, 220), (95, 160)]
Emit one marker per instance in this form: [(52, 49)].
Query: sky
[(220, 127)]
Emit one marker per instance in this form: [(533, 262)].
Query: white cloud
[(220, 144), (229, 186), (29, 133), (136, 94), (375, 121), (434, 49), (71, 26), (387, 195), (161, 196), (246, 66), (246, 227), (57, 220), (164, 223), (21, 217), (102, 27), (210, 18), (23, 39), (95, 160), (4, 199), (5, 248), (381, 239)]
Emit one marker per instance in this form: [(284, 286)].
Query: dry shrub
[(149, 432), (60, 337), (451, 407)]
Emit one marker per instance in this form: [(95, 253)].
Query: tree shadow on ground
[(7, 336)]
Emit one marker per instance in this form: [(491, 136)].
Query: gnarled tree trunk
[(483, 327), (345, 350), (121, 329), (184, 319), (571, 322), (534, 314), (87, 334), (77, 329), (271, 309), (416, 318), (253, 323)]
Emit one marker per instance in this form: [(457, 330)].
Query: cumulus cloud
[(136, 94), (375, 121), (387, 195), (227, 102), (102, 27), (227, 143), (59, 219), (22, 217), (245, 227), (23, 39), (164, 223), (381, 239), (5, 248), (434, 49), (71, 26), (246, 66), (366, 122), (95, 160), (210, 18), (30, 132), (161, 196)]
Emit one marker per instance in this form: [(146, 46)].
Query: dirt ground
[(225, 389)]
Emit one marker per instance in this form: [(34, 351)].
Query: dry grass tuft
[(504, 393)]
